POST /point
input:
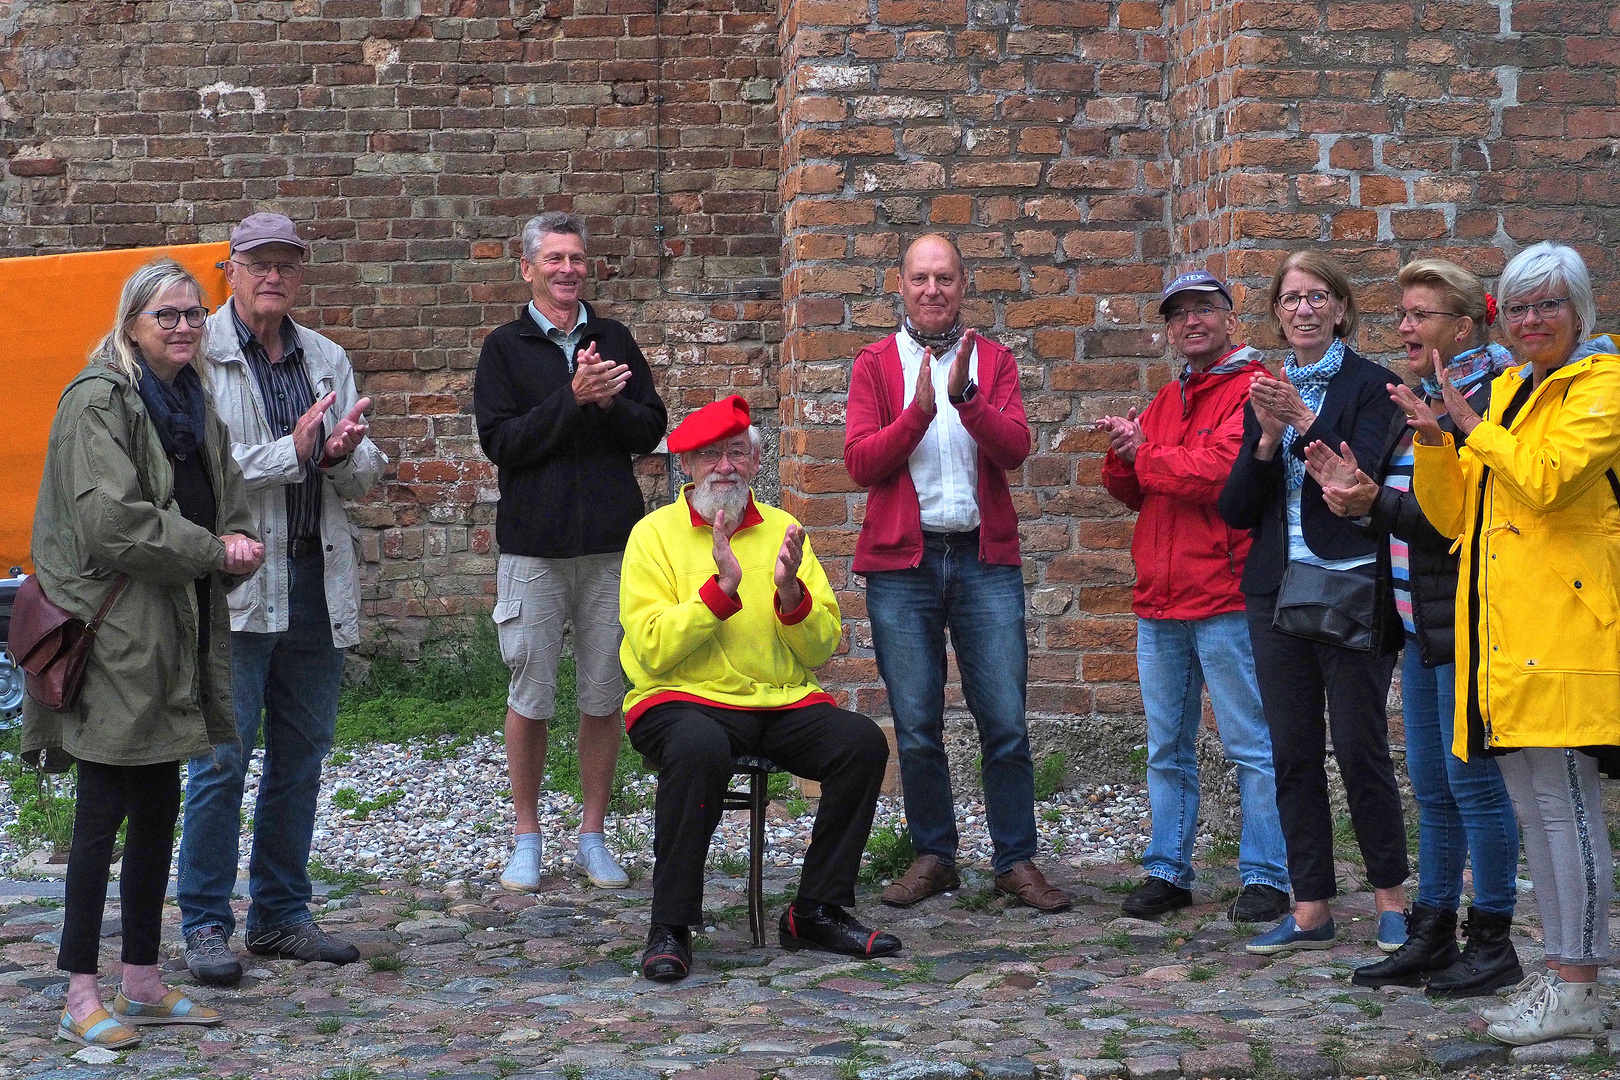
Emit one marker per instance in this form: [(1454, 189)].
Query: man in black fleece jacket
[(563, 399)]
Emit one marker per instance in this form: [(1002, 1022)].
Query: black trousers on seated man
[(692, 746)]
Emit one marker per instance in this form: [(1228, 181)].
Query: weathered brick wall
[(411, 138)]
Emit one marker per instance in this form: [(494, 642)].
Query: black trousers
[(1297, 678), (149, 796), (692, 747)]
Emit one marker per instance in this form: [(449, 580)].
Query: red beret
[(711, 423)]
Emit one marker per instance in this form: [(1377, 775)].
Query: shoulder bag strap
[(106, 605)]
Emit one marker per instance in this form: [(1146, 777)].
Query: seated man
[(725, 613)]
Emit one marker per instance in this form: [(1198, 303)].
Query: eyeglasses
[(1290, 301), (1547, 309), (711, 455), (262, 269), (169, 317), (1417, 315), (1181, 315)]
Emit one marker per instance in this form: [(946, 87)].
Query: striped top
[(285, 387), (1399, 478)]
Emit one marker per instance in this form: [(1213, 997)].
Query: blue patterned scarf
[(1311, 382), (1470, 367)]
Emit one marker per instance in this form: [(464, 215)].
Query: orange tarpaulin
[(53, 310)]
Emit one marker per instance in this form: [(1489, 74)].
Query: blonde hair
[(1460, 288), (117, 349), (1320, 265)]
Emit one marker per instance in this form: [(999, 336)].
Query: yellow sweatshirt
[(686, 640)]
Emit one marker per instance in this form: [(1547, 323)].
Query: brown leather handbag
[(52, 646)]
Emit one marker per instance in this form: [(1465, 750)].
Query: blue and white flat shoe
[(99, 1029), (1391, 930), (175, 1008), (1286, 937)]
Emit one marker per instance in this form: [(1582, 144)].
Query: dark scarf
[(177, 411), (940, 343)]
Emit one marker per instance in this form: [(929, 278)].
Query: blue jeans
[(1463, 806), (1176, 658), (291, 680), (983, 607)]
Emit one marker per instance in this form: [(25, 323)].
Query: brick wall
[(411, 139)]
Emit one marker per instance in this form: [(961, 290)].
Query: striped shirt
[(285, 387), (1399, 478)]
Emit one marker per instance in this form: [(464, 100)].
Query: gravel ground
[(427, 810)]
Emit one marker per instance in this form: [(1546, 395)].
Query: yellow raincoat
[(1535, 506)]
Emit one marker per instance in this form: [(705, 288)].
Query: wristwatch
[(966, 395)]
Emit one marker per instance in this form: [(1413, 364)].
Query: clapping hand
[(1125, 435), (1347, 490), (959, 367), (923, 398), (1462, 414), (349, 432), (789, 593), (1418, 414), (1280, 398), (597, 381), (306, 434), (726, 567)]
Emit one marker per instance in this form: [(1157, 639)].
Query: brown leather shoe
[(1025, 882), (927, 876)]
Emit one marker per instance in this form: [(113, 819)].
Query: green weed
[(349, 799), (328, 1025), (1136, 760), (1051, 774), (386, 962), (889, 853), (1223, 848), (1201, 973)]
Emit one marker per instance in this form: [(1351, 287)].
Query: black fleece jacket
[(567, 486)]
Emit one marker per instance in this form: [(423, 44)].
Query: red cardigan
[(880, 435)]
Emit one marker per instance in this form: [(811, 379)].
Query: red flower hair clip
[(1490, 310)]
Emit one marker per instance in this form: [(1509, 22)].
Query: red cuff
[(798, 614), (723, 606)]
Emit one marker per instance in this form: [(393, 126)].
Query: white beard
[(708, 499)]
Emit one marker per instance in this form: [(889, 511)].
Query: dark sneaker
[(1258, 904), (668, 957), (831, 928), (1154, 897), (209, 956), (302, 941)]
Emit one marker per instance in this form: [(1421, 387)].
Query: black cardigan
[(567, 486), (1357, 410), (1433, 567)]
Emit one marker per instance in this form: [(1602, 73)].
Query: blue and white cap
[(1194, 281)]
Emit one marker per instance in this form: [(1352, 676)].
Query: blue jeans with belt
[(290, 682), (982, 606)]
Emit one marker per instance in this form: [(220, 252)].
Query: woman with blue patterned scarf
[(1328, 394), (1464, 813)]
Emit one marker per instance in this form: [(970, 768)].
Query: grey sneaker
[(209, 956), (598, 864), (302, 941)]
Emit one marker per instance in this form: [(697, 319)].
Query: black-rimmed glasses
[(169, 317)]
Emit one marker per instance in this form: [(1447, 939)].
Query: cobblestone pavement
[(466, 983)]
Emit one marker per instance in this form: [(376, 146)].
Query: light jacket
[(686, 640), (881, 432), (1188, 561), (1536, 507), (106, 507), (269, 463)]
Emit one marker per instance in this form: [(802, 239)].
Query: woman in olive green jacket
[(139, 482)]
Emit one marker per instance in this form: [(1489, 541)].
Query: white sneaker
[(1519, 999), (598, 864), (522, 873), (1558, 1010)]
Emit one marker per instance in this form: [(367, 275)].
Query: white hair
[(1553, 268), (540, 226), (755, 443)]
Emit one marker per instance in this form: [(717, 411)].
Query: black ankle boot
[(1431, 945), (1488, 961)]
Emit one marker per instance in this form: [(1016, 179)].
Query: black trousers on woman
[(1297, 679), (149, 797)]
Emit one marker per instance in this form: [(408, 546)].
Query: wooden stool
[(754, 800)]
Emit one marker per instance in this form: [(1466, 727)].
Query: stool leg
[(758, 791)]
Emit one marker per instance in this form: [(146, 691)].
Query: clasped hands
[(790, 594), (955, 384), (243, 555)]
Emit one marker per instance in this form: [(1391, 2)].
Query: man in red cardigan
[(934, 422)]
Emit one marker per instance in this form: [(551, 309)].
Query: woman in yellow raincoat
[(1534, 501)]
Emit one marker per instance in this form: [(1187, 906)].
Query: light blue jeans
[(1463, 806), (291, 681), (1175, 659)]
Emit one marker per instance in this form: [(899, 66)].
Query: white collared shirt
[(945, 465)]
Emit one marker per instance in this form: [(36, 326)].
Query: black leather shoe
[(831, 928), (1431, 945), (1488, 961), (668, 957), (1155, 896), (1259, 904)]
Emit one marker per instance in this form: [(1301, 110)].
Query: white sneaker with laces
[(1558, 1010), (1519, 999), (598, 864), (522, 873)]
